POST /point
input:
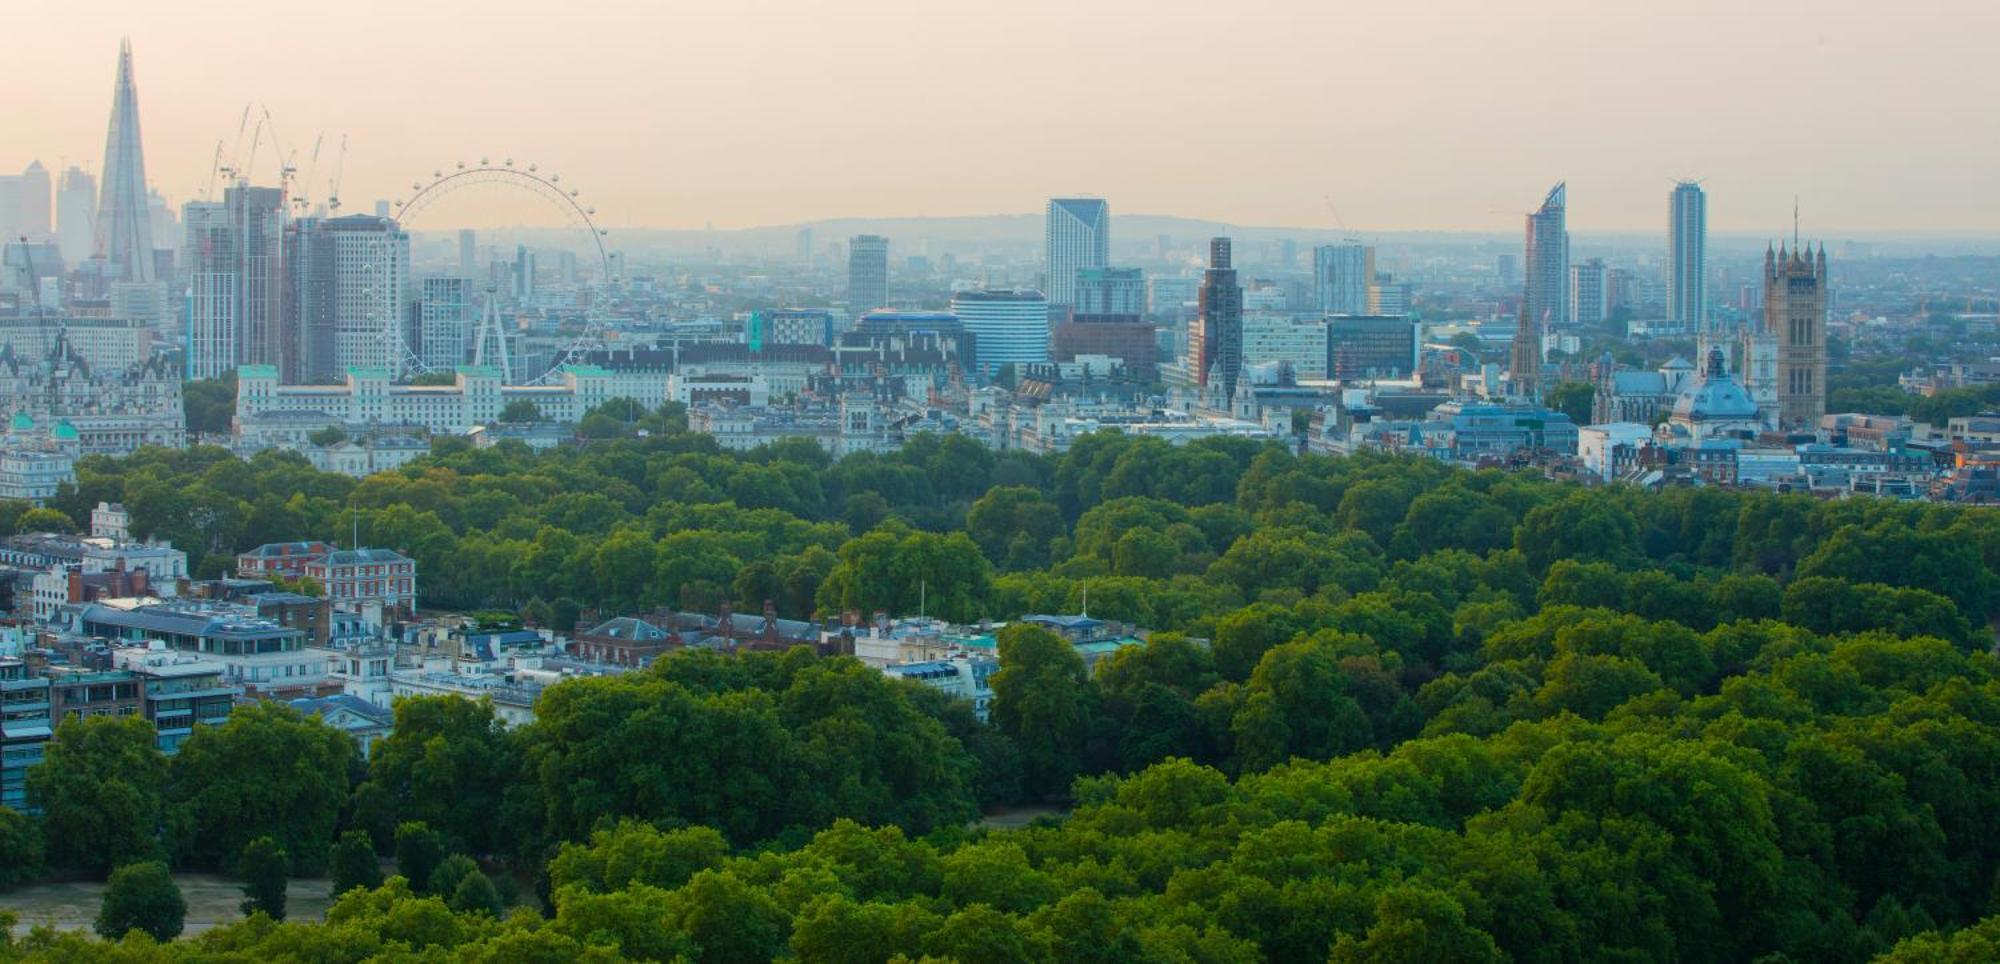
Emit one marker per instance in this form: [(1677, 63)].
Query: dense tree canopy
[(1387, 709)]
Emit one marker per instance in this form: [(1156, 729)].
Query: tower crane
[(333, 186), (303, 201), (285, 167)]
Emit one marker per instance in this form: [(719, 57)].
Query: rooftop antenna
[(1795, 222), (923, 596), (1086, 597)]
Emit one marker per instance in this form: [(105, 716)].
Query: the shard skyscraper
[(124, 226)]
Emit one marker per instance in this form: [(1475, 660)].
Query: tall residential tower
[(1687, 257), (1546, 298)]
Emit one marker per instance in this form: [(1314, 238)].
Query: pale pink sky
[(1408, 113)]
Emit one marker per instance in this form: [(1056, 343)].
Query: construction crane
[(285, 167), (303, 201), (213, 167), (333, 186), (1349, 237), (236, 153)]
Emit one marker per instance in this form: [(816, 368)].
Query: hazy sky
[(1406, 113)]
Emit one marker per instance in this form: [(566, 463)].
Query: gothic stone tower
[(1795, 323)]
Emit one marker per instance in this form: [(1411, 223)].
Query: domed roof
[(23, 422), (1716, 398), (65, 432)]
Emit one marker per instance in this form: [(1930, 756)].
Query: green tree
[(100, 787), (419, 853), (519, 411), (209, 404), (447, 764), (21, 848), (475, 894), (268, 771), (1573, 399), (354, 863), (449, 873), (1041, 702), (263, 868), (142, 897), (44, 519), (731, 921)]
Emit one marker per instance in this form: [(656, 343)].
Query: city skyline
[(1283, 164)]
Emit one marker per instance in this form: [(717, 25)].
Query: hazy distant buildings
[(124, 222), (76, 213), (1215, 338), (1687, 256), (791, 326), (1078, 235), (1342, 274), (1390, 297), (1110, 293), (24, 204), (1589, 297), (468, 254), (1010, 326), (867, 273), (1546, 298)]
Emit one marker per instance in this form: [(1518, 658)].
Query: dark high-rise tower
[(1546, 297), (124, 224), (1216, 343)]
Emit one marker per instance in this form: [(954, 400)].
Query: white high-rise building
[(1588, 304), (371, 284), (76, 213), (1078, 236), (1011, 326), (211, 344), (1687, 257), (1277, 337), (444, 322), (212, 293), (1341, 276)]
